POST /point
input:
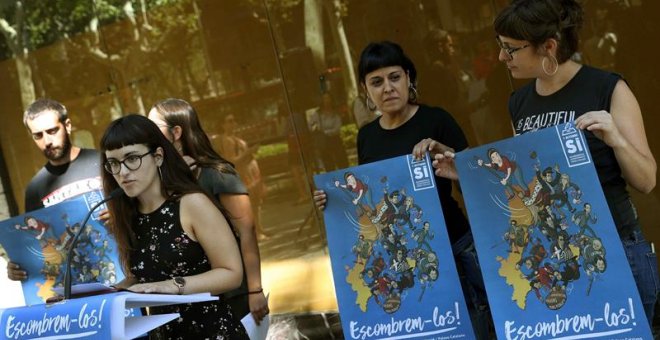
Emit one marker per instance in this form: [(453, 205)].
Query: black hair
[(539, 20), (177, 179), (492, 151), (383, 54), (595, 260)]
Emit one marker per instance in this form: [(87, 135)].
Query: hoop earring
[(554, 61), (370, 104), (160, 174), (412, 94)]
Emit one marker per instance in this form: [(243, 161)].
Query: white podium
[(105, 316)]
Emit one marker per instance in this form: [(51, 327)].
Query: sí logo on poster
[(421, 173), (574, 145)]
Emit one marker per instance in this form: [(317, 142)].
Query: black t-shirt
[(375, 143), (590, 90), (215, 182), (56, 183)]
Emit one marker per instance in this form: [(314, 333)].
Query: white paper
[(84, 288), (253, 331), (139, 300)]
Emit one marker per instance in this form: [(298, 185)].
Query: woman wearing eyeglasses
[(537, 40), (179, 123), (171, 237)]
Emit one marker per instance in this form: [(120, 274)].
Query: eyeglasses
[(132, 162), (508, 50)]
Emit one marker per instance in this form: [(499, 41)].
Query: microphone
[(67, 276)]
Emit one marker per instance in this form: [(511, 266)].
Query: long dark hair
[(539, 20), (176, 180), (194, 141), (383, 54)]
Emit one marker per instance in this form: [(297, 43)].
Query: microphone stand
[(67, 276)]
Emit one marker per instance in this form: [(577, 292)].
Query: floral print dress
[(163, 251)]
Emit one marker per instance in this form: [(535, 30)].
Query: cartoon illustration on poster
[(39, 241), (392, 262), (547, 244)]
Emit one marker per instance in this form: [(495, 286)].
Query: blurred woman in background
[(179, 123)]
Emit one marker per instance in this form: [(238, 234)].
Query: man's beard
[(57, 153)]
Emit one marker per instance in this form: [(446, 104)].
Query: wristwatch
[(180, 283)]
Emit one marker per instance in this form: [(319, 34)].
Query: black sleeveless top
[(163, 250), (590, 89)]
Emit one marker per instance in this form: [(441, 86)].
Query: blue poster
[(39, 240), (551, 258), (392, 263)]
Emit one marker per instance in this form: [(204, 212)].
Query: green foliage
[(348, 134), (39, 23), (271, 150)]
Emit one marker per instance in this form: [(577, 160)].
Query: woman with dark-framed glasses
[(131, 162), (537, 40), (171, 237)]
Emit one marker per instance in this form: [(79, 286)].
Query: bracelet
[(261, 290)]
